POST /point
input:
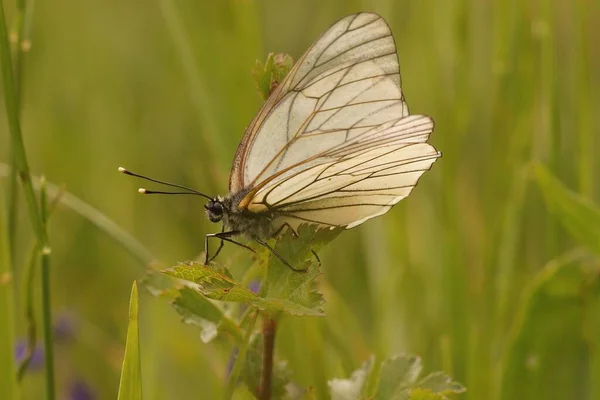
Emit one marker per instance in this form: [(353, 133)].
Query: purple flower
[(37, 358), (232, 358), (64, 327), (254, 286), (79, 390)]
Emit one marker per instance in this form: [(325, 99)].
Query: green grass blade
[(547, 355), (93, 215), (46, 298), (14, 125), (577, 214), (8, 382), (130, 387)]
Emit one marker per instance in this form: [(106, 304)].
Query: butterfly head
[(214, 209)]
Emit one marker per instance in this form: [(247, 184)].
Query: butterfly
[(334, 144)]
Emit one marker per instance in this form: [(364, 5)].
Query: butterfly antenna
[(146, 191)]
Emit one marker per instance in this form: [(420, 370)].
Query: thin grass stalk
[(46, 300), (586, 157), (17, 146), (29, 313), (198, 87), (29, 294), (21, 164), (20, 38), (8, 384)]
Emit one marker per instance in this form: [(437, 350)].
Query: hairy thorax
[(253, 225)]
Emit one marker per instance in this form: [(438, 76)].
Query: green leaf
[(268, 75), (298, 287), (218, 286), (396, 375), (284, 290), (351, 388), (550, 340), (440, 384), (197, 310), (577, 214), (130, 387), (425, 394), (397, 379)]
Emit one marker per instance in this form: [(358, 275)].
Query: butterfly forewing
[(334, 144)]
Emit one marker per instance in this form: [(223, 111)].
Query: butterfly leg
[(206, 259), (225, 237), (279, 256), (284, 225), (295, 234)]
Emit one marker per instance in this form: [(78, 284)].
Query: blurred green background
[(471, 272)]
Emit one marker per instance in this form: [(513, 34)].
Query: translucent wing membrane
[(352, 183), (346, 83), (334, 143)]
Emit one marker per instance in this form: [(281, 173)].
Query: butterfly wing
[(347, 82), (352, 183), (334, 143)]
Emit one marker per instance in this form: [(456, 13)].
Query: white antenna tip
[(121, 169), (142, 190)]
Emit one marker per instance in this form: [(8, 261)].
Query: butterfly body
[(235, 219)]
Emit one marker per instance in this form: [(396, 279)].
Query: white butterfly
[(333, 145)]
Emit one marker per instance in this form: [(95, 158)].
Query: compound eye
[(217, 208), (214, 210)]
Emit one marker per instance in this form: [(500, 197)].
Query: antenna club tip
[(142, 190), (121, 169)]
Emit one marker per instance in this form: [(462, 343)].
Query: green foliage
[(198, 310), (211, 289), (397, 378), (130, 387), (578, 214), (268, 75), (284, 290), (447, 274), (563, 299)]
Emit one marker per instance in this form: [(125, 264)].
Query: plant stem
[(46, 299), (18, 33), (29, 313), (18, 148), (269, 329), (35, 214), (8, 384)]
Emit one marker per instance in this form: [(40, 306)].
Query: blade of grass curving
[(8, 382), (92, 214), (198, 87), (130, 386), (579, 216), (29, 298), (20, 159)]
